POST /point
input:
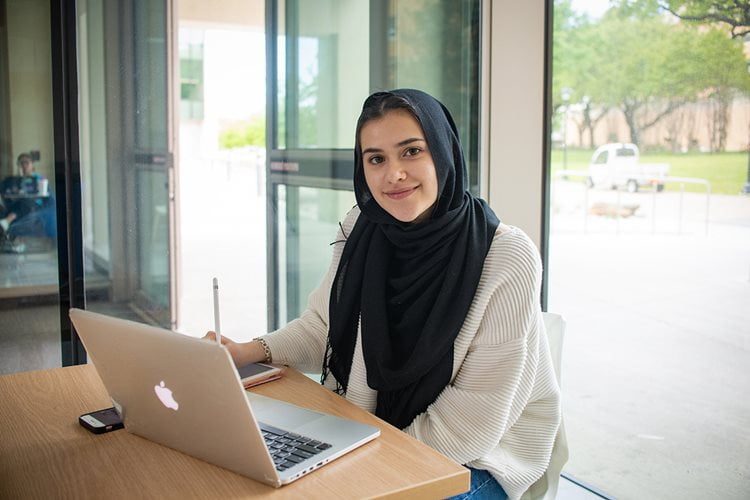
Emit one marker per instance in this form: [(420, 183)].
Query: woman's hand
[(242, 353)]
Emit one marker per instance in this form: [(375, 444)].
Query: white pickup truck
[(617, 165)]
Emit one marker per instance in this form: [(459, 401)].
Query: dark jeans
[(483, 487), (33, 218)]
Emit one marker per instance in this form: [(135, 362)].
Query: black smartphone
[(100, 421)]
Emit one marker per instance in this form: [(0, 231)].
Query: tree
[(734, 13), (591, 115), (575, 67), (725, 73), (648, 69), (250, 134), (638, 61), (636, 64), (586, 79), (565, 43), (635, 60)]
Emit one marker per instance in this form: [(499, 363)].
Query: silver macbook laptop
[(185, 393)]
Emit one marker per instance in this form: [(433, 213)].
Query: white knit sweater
[(501, 410)]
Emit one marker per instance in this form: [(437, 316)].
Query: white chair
[(546, 486)]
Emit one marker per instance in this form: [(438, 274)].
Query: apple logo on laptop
[(165, 396)]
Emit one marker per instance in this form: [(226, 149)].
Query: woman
[(429, 315)]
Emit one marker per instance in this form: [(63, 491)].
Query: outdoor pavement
[(656, 360), (222, 233)]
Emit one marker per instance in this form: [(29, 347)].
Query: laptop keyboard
[(288, 449)]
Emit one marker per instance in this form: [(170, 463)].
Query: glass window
[(648, 262), (626, 152), (322, 72), (220, 174), (125, 159), (191, 73), (433, 45), (29, 307), (330, 55), (327, 65), (309, 219), (174, 182)]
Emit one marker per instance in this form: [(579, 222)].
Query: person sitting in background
[(26, 209)]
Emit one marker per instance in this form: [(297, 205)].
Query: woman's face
[(398, 166)]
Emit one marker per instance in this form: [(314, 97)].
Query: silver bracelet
[(266, 350)]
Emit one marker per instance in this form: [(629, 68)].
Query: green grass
[(727, 172)]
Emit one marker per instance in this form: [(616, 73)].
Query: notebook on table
[(185, 393)]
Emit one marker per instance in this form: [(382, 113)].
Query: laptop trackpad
[(280, 414)]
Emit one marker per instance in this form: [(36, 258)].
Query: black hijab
[(410, 284)]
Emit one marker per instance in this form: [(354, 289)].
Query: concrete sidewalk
[(657, 350)]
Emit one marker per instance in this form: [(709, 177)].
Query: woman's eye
[(375, 159), (412, 151)]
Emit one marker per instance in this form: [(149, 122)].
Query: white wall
[(516, 117), (30, 75), (92, 121)]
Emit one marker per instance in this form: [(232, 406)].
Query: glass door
[(126, 158), (152, 158), (324, 58), (30, 333)]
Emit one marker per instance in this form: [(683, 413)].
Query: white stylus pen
[(217, 320)]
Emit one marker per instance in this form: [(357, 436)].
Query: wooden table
[(45, 453)]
